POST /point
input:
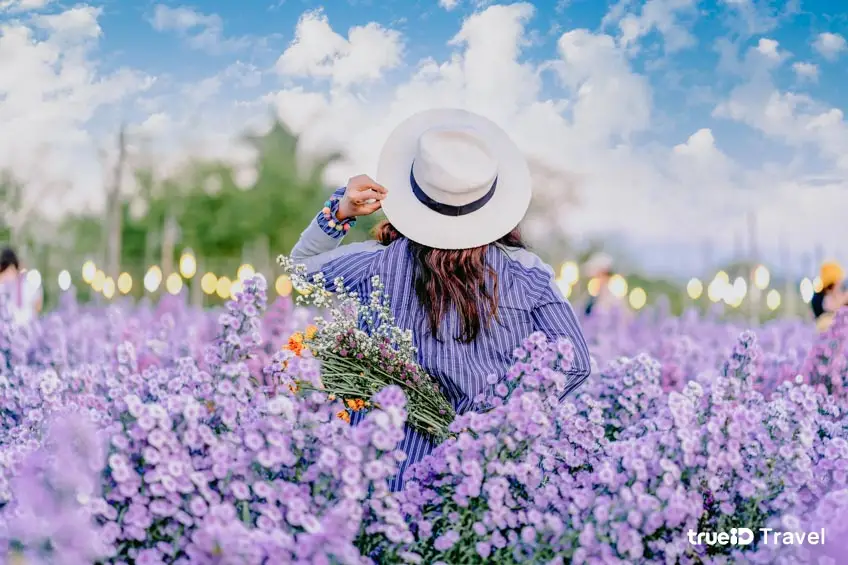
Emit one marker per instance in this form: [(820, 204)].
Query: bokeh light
[(717, 289), (174, 284), (188, 265), (245, 272), (89, 269), (695, 288), (283, 285), (235, 288), (773, 299), (64, 280), (153, 279), (223, 287), (761, 277), (564, 286), (569, 273), (807, 290), (638, 298), (594, 286), (97, 282), (208, 283), (125, 283), (740, 288), (618, 286), (109, 287)]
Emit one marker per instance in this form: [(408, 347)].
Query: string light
[(740, 288), (153, 279), (109, 288), (188, 265), (761, 277), (97, 282), (125, 283), (564, 286), (773, 299), (209, 283), (89, 269), (64, 280), (716, 290), (283, 285), (594, 286), (245, 272), (638, 298), (695, 289), (569, 273), (223, 287), (618, 286), (807, 290), (174, 284)]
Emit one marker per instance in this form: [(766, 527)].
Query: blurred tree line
[(204, 209), (226, 223)]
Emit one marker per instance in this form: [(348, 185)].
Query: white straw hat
[(455, 180)]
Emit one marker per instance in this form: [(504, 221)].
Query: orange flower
[(355, 404), (343, 415), (293, 388), (295, 343), (311, 332)]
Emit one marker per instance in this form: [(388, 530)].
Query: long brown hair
[(458, 278)]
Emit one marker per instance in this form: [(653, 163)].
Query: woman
[(453, 188), (831, 297), (24, 300)]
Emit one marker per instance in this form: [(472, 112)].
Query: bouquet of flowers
[(362, 351)]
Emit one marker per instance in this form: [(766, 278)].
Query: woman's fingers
[(368, 209), (369, 195), (364, 183)]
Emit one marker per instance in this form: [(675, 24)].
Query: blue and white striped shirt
[(528, 301)]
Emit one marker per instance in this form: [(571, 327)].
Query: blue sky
[(671, 119)]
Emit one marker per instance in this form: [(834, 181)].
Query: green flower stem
[(347, 378)]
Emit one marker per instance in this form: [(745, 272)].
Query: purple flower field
[(152, 434)]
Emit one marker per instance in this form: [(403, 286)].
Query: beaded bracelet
[(330, 206)]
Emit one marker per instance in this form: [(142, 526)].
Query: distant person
[(24, 300), (831, 297), (599, 267)]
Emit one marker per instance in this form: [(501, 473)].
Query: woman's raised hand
[(363, 196)]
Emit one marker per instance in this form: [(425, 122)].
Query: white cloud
[(794, 119), (77, 23), (201, 31), (23, 5), (830, 45), (51, 89), (768, 48), (318, 51), (448, 4), (806, 71), (660, 15)]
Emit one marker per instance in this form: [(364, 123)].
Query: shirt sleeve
[(554, 316), (319, 249)]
